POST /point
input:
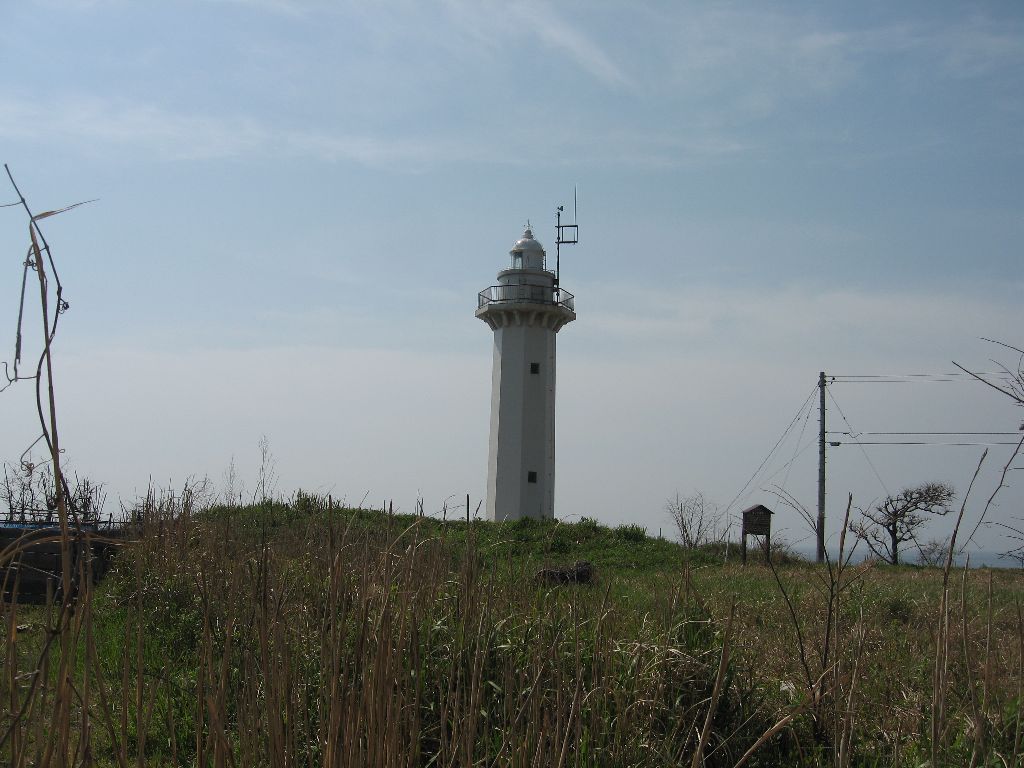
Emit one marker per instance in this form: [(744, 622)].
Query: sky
[(297, 201)]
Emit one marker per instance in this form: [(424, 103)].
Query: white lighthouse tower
[(526, 309)]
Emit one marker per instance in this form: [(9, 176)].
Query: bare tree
[(234, 487), (30, 496), (696, 518), (886, 526), (1009, 381), (796, 505), (266, 481), (933, 552), (1016, 554)]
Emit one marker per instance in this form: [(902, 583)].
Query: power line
[(854, 434), (757, 471), (912, 442), (956, 374), (789, 464), (910, 378), (796, 448), (892, 381), (866, 457)]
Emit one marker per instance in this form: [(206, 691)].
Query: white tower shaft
[(525, 311)]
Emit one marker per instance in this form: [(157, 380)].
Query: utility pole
[(821, 469)]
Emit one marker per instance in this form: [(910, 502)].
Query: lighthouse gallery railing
[(531, 294)]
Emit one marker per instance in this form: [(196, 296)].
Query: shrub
[(560, 545), (631, 532)]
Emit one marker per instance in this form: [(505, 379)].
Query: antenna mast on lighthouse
[(565, 234)]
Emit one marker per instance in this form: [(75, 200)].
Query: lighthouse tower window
[(534, 367), (531, 477), (517, 260)]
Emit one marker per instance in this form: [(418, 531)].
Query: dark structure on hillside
[(757, 521), (30, 558), (578, 573)]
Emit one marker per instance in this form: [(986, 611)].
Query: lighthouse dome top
[(527, 253)]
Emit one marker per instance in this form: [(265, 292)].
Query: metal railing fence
[(527, 294)]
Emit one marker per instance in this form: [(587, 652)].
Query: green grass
[(301, 633)]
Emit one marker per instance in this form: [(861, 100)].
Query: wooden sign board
[(757, 523)]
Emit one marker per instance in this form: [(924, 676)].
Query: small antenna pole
[(565, 234), (558, 245)]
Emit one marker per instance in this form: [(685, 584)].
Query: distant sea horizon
[(978, 558)]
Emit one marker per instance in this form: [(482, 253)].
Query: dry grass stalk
[(940, 674), (1017, 729), (716, 691)]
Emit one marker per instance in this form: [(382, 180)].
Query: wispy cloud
[(740, 63), (78, 5), (287, 7), (747, 62), (982, 45), (425, 86), (489, 22), (99, 125), (95, 124), (570, 40), (413, 153), (83, 122), (705, 317)]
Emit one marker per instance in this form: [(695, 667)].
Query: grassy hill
[(301, 633)]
